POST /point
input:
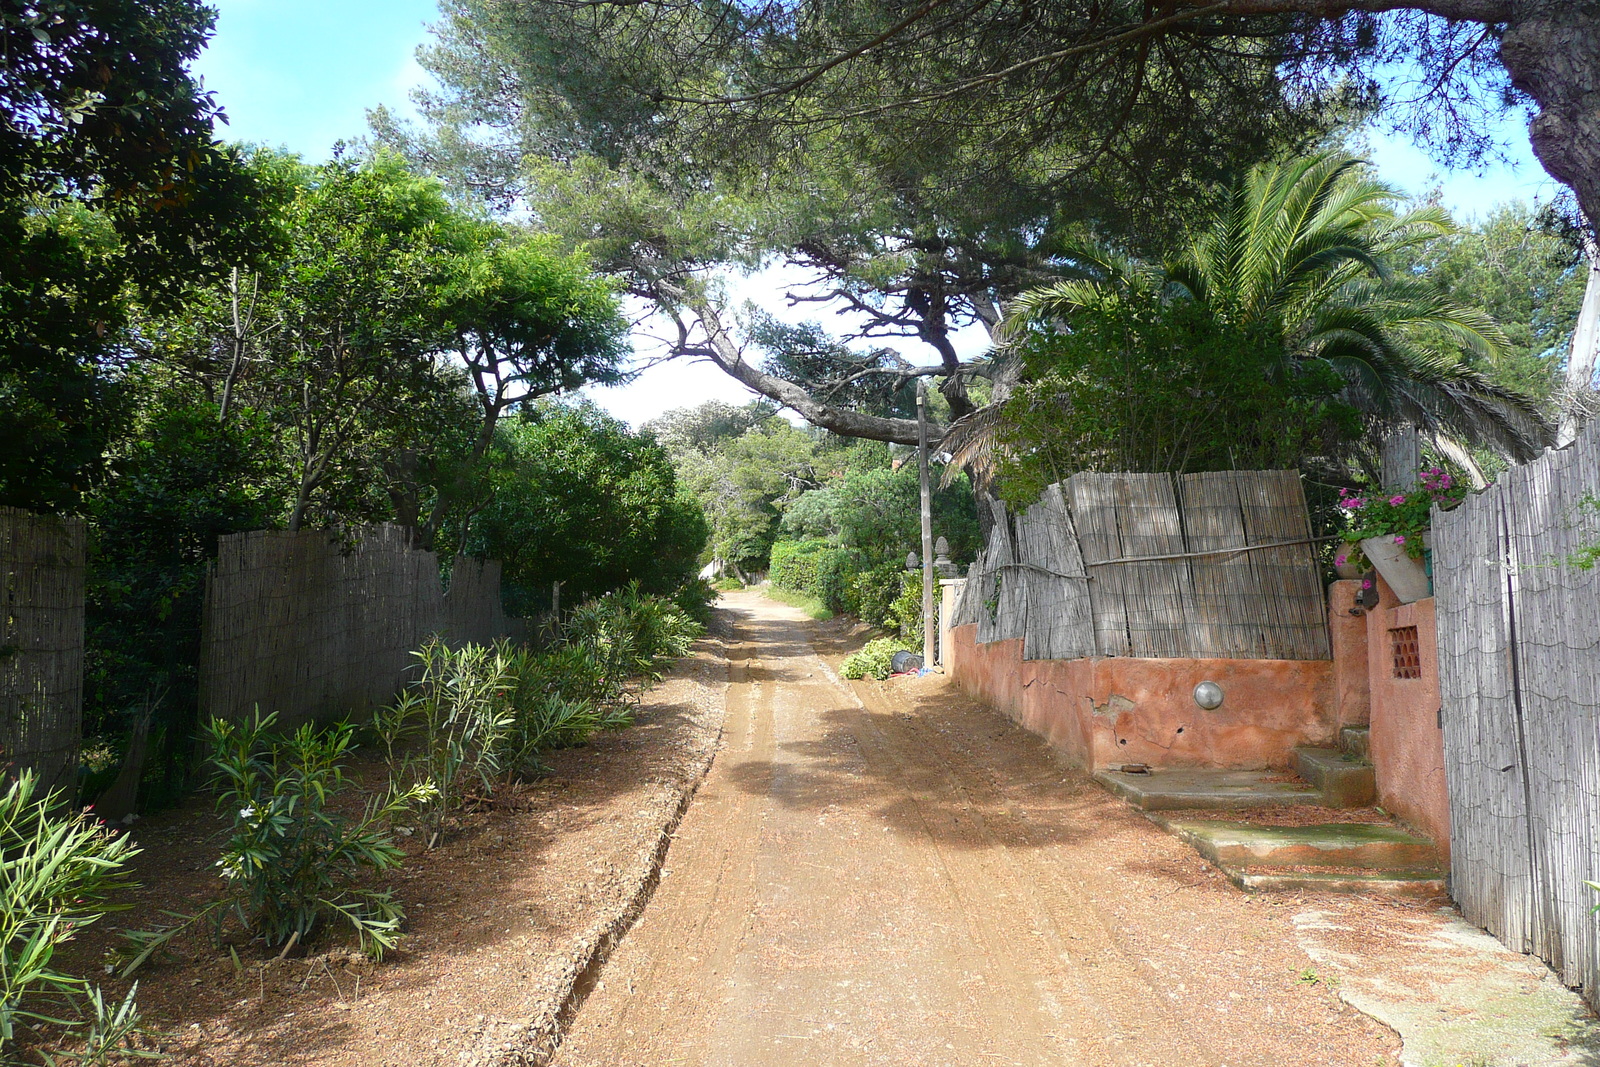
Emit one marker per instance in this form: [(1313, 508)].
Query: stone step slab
[(1408, 885), (1379, 846), (1344, 781), (1204, 789)]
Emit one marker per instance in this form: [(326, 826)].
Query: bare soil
[(502, 919), (889, 873)]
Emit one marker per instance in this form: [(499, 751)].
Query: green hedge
[(817, 568), (885, 595)]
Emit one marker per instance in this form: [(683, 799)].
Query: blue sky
[(301, 74)]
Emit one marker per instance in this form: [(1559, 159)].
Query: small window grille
[(1407, 655)]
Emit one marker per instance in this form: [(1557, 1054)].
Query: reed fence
[(310, 624), (41, 644), (1219, 565), (1519, 673)]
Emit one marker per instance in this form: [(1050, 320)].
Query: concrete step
[(1372, 845), (1420, 884), (1353, 741), (1344, 781), (1205, 789)]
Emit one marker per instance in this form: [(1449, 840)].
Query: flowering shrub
[(1400, 517), (294, 859)]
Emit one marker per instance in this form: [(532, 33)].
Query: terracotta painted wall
[(1348, 634), (1110, 711), (1406, 743)]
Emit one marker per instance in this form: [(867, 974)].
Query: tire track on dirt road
[(861, 883)]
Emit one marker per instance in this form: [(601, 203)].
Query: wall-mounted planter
[(1404, 575)]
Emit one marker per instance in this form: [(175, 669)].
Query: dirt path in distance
[(891, 874)]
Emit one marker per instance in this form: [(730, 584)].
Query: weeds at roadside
[(476, 718), (872, 660)]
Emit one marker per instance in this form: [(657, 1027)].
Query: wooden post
[(555, 600), (928, 635)]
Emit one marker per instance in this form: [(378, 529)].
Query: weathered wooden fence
[(41, 644), (308, 624), (1519, 673), (1216, 565)]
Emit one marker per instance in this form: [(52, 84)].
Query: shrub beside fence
[(1519, 674), (41, 645), (311, 624)]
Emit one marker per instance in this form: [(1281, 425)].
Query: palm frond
[(973, 443)]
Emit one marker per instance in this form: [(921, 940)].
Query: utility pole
[(928, 636)]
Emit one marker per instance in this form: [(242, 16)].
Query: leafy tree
[(1138, 384), (1527, 276), (529, 321), (744, 483), (177, 480), (1089, 80), (707, 426), (111, 188), (1295, 277), (881, 214), (877, 512), (581, 499), (346, 342)]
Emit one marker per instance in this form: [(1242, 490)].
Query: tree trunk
[(1585, 351), (1551, 48)]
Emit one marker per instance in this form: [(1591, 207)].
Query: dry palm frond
[(973, 442)]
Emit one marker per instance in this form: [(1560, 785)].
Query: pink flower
[(1399, 539), (1340, 561), (1398, 499)]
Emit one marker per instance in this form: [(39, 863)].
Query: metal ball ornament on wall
[(1208, 695)]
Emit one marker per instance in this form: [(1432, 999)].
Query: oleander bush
[(294, 861), (60, 872)]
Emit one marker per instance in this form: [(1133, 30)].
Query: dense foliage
[(354, 369), (1280, 336), (112, 194), (579, 498)]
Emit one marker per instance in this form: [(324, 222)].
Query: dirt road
[(891, 874)]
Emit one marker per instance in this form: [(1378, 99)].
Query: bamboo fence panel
[(308, 625), (472, 608), (1093, 507), (1519, 664), (1118, 565), (41, 645), (1060, 623), (1262, 604), (1141, 607), (1004, 605)]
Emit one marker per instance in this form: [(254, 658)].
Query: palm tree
[(1303, 247)]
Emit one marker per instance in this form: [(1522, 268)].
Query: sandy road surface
[(891, 874)]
